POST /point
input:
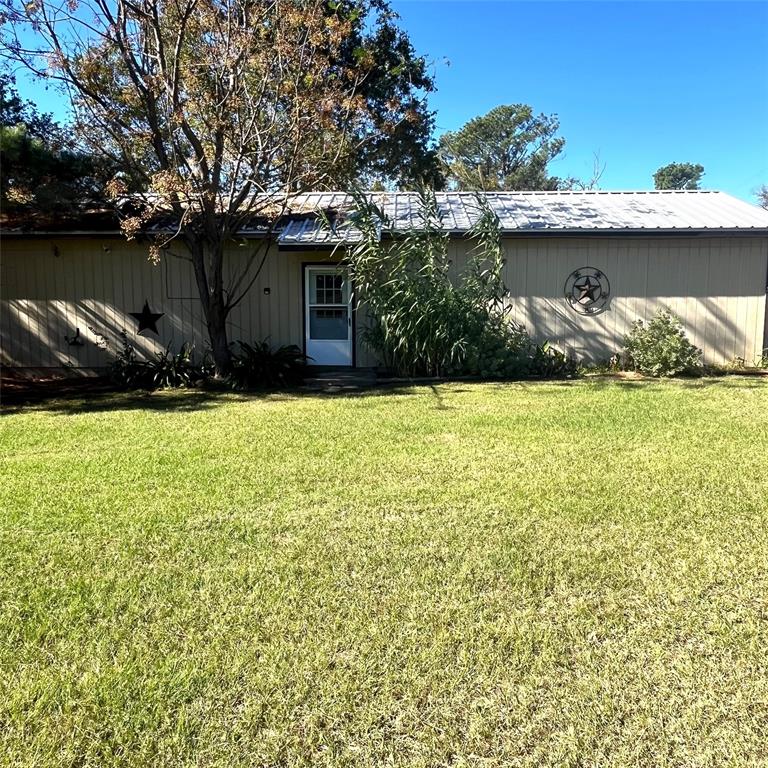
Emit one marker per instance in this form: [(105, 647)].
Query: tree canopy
[(678, 176), (397, 149), (221, 111), (41, 170), (507, 149)]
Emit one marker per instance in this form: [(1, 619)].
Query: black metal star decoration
[(147, 319), (588, 289)]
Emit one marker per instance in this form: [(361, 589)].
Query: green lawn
[(565, 574)]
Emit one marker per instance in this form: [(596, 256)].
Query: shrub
[(548, 362), (172, 370), (254, 366), (423, 322), (167, 371), (259, 366), (661, 348), (126, 371)]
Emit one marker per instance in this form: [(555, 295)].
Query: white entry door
[(328, 316)]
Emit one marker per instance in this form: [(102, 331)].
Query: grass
[(564, 574)]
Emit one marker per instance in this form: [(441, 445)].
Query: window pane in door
[(328, 288), (328, 323)]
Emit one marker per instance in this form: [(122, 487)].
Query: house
[(580, 268)]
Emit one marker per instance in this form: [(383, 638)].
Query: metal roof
[(536, 212), (302, 216)]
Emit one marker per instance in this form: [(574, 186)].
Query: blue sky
[(642, 83)]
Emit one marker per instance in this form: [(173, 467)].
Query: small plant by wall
[(661, 348)]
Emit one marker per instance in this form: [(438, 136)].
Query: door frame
[(353, 313)]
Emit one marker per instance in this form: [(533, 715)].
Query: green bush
[(126, 371), (661, 348), (548, 362), (254, 366), (259, 366), (169, 370), (423, 321)]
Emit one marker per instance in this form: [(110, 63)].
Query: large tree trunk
[(217, 333), (210, 287)]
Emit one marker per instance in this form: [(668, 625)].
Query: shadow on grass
[(439, 400), (727, 382), (177, 400), (617, 383), (192, 400), (703, 382)]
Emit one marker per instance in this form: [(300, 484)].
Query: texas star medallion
[(587, 291)]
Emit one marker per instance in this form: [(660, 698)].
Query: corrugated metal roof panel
[(538, 212), (312, 231)]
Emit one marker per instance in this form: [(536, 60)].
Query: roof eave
[(639, 232), (61, 233)]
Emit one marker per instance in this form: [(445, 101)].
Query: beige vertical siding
[(716, 285), (50, 288)]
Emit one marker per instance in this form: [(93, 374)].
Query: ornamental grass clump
[(425, 321), (661, 348)]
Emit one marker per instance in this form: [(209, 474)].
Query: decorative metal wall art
[(147, 319), (74, 341), (587, 291)]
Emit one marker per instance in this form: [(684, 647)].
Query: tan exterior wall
[(715, 285), (49, 288)]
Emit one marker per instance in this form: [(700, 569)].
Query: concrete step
[(336, 379)]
